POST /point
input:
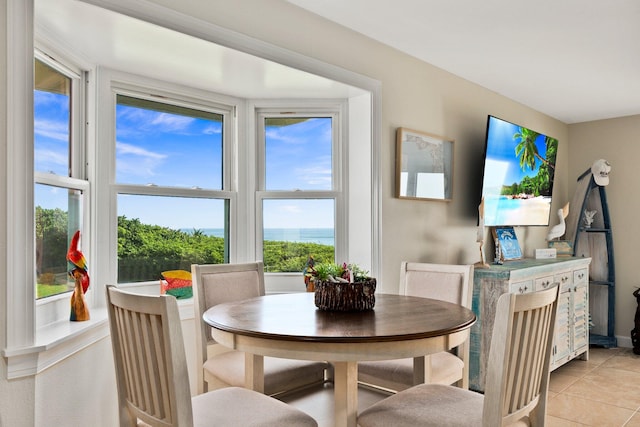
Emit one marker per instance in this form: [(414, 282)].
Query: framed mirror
[(424, 166)]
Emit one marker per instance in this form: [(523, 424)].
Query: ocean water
[(505, 211), (322, 236)]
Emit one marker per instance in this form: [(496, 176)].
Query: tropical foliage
[(145, 251), (526, 149)]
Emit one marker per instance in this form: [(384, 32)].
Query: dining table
[(290, 326)]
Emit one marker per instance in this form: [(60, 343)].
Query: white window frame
[(292, 108), (112, 83), (35, 341), (55, 308)]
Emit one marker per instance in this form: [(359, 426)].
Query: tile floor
[(603, 391)]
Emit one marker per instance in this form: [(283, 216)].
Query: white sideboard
[(529, 275)]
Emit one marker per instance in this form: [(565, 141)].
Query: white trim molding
[(19, 172), (56, 342)]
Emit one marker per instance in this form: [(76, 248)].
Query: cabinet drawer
[(521, 287), (565, 279), (581, 276), (542, 283)]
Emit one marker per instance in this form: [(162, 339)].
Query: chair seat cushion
[(428, 405), (234, 406), (397, 374), (279, 374)]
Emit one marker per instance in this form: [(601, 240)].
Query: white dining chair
[(517, 376), (219, 366), (152, 378), (446, 282)]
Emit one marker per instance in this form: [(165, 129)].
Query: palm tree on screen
[(527, 149)]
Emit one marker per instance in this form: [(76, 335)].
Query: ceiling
[(138, 47), (574, 60)]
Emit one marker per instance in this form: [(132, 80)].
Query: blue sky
[(299, 156), (167, 149), (159, 148), (503, 167), (51, 128)]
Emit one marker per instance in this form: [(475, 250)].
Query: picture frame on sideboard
[(507, 240)]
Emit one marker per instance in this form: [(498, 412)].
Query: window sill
[(60, 340), (54, 343)]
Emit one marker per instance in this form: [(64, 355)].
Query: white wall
[(79, 391)]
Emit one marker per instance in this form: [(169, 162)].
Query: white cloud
[(136, 161), (56, 130), (171, 122), (291, 209), (317, 176), (122, 148), (211, 130), (44, 157)]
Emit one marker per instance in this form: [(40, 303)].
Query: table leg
[(421, 370), (345, 391), (254, 372)]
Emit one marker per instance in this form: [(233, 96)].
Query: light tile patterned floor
[(603, 391)]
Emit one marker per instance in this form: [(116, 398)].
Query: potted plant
[(342, 287)]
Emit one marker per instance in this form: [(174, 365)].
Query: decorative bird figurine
[(78, 270), (78, 262), (559, 229)]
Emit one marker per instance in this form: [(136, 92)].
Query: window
[(300, 198), (60, 188), (171, 185), (34, 342)]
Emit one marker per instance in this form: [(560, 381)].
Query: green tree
[(145, 251), (527, 149), (51, 240)]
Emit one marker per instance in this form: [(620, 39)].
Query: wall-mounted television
[(518, 172)]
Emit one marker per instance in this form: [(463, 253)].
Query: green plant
[(338, 272), (359, 275)]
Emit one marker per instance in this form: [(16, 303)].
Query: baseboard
[(624, 342)]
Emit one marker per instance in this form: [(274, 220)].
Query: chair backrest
[(149, 356), (215, 284), (519, 358), (445, 282)]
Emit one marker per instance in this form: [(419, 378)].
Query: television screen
[(519, 166)]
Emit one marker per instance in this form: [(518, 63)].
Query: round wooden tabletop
[(295, 317)]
